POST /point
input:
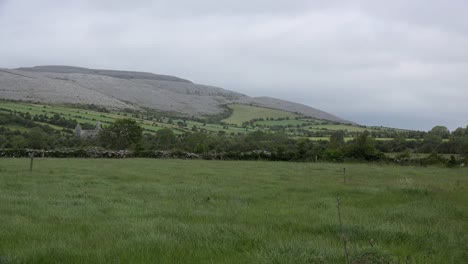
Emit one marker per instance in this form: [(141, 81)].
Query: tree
[(17, 142), (122, 134), (459, 132), (194, 141), (440, 131), (165, 139), (458, 142), (464, 149), (36, 138), (200, 148), (3, 141), (431, 142), (337, 139), (363, 148)]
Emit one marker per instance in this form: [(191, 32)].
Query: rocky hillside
[(134, 90)]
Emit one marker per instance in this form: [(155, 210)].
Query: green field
[(244, 113), (83, 116), (181, 211), (346, 139), (290, 122), (295, 125), (86, 116), (339, 127)]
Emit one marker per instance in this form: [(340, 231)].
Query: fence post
[(31, 156), (344, 175)]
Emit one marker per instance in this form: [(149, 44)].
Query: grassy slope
[(85, 116), (240, 114), (243, 113), (177, 211), (290, 122)]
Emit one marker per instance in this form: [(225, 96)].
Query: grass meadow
[(183, 211)]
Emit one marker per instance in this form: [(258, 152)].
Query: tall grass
[(178, 211)]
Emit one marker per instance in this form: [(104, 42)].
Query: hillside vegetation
[(246, 113), (244, 119), (287, 136)]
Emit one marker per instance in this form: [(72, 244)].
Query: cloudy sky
[(394, 63)]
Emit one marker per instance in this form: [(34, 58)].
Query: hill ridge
[(134, 90)]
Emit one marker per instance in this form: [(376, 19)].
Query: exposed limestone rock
[(133, 90)]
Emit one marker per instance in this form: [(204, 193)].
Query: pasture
[(184, 211), (179, 125), (244, 113)]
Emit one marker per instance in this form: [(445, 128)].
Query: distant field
[(346, 139), (85, 116), (290, 122), (81, 115), (243, 113), (339, 127), (294, 126), (180, 211)]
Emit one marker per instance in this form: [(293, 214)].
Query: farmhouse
[(84, 134)]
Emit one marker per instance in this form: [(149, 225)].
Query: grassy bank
[(178, 211)]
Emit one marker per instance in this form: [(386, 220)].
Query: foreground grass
[(176, 211)]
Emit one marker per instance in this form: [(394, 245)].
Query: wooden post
[(31, 156), (344, 175)]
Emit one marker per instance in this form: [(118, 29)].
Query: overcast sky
[(400, 63)]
